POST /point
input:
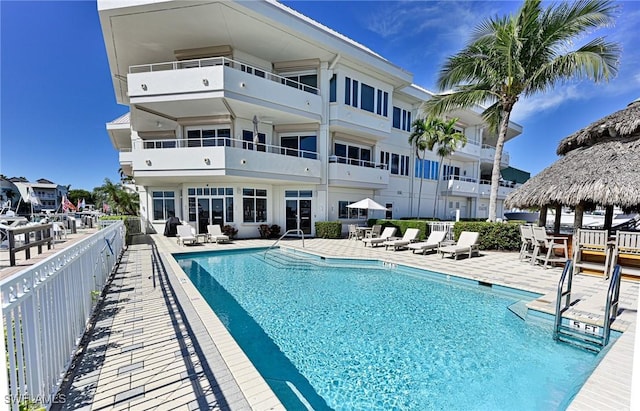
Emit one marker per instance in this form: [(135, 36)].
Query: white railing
[(221, 61), (223, 142), (446, 226), (357, 162), (460, 178), (503, 183), (45, 310)]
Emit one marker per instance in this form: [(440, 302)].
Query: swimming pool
[(370, 336)]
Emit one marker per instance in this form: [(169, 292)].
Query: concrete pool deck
[(155, 343)]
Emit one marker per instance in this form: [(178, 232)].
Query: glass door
[(298, 215), (217, 211), (204, 215), (305, 216), (292, 215)]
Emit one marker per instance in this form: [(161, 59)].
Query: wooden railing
[(43, 234)]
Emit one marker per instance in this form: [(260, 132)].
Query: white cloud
[(528, 107)]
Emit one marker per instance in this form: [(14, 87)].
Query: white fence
[(45, 311), (446, 226)]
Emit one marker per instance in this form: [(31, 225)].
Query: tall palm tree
[(119, 199), (521, 55), (450, 139), (424, 130)]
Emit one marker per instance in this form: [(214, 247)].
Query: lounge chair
[(467, 244), (432, 242), (215, 234), (387, 233), (408, 237), (374, 232), (548, 243), (185, 235)]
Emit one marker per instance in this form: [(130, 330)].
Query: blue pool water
[(372, 337)]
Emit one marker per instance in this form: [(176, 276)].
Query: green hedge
[(493, 236), (132, 224), (328, 229)]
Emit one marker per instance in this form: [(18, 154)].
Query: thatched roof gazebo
[(600, 165)]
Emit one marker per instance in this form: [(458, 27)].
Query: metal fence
[(45, 310)]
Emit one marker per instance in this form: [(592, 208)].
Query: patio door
[(210, 211), (298, 211)]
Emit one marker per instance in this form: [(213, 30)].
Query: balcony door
[(298, 210)]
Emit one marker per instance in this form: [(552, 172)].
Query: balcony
[(223, 157), (348, 172), (194, 88), (459, 186), (470, 150), (488, 153), (504, 188)]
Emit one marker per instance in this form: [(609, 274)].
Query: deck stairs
[(591, 333)]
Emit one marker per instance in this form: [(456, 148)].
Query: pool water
[(372, 337)]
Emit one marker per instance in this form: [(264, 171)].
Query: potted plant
[(230, 230), (265, 230), (274, 231)]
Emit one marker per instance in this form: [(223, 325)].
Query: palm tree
[(521, 55), (424, 130), (119, 199), (450, 139)]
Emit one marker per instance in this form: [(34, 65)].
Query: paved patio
[(155, 343)]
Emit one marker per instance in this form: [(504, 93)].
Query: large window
[(350, 213), (164, 204), (208, 137), (366, 97), (225, 193), (450, 171), (307, 81), (352, 154), (401, 119), (254, 205), (397, 164), (427, 169), (299, 146)]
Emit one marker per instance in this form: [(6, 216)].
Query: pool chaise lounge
[(214, 233), (467, 244), (408, 237), (185, 235), (431, 244), (387, 233)]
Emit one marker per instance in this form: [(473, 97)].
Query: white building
[(248, 113), (42, 194)]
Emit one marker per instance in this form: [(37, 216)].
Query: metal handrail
[(295, 230), (613, 295), (567, 294)]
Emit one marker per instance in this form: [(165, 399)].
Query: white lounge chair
[(375, 241), (185, 235), (467, 244), (408, 237), (432, 242), (215, 234)]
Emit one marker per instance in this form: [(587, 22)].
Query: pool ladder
[(295, 230), (591, 336)]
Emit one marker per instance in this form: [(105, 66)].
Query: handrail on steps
[(559, 307), (613, 295), (295, 230)]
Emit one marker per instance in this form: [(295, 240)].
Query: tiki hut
[(599, 166)]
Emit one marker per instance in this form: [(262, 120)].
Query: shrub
[(269, 231), (493, 236), (328, 229), (132, 225), (230, 230)]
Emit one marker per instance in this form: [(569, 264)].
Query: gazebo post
[(608, 217), (556, 223), (577, 221), (542, 218)]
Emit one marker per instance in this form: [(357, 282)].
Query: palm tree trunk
[(497, 159), (435, 198), (421, 179)]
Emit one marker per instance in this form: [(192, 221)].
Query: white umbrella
[(367, 204)]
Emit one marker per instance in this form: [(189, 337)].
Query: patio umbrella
[(367, 204)]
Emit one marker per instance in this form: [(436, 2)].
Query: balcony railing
[(358, 162), (221, 61), (508, 184), (460, 178), (223, 142)]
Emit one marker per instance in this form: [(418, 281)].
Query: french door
[(298, 212), (210, 211)]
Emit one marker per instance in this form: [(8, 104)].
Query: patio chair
[(387, 233), (432, 242), (214, 232), (408, 237), (353, 232), (467, 244), (548, 243), (185, 235), (627, 247), (375, 231), (591, 242), (526, 237)]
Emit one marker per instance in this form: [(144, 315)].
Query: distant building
[(252, 113), (43, 194)]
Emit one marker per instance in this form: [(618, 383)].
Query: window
[(164, 205), (401, 119), (350, 213), (194, 193), (389, 213), (304, 81), (347, 91), (427, 169), (208, 137), (299, 146), (448, 171), (248, 138), (354, 93), (367, 98), (397, 164), (333, 89), (254, 205), (352, 154)]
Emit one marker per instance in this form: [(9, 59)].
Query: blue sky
[(56, 93)]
